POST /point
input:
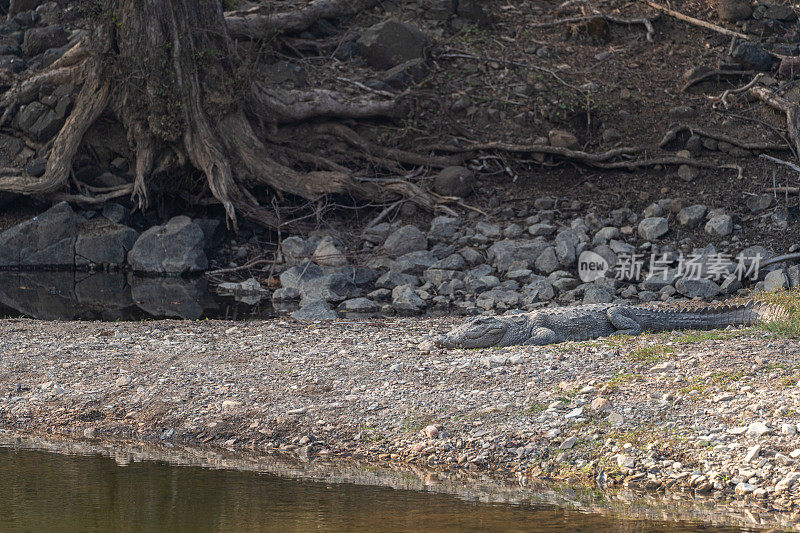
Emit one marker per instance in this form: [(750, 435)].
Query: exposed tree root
[(695, 130), (600, 160), (282, 106), (723, 98), (391, 154), (258, 23), (646, 22), (788, 108), (714, 73)]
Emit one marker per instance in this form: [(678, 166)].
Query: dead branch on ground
[(646, 22), (696, 22), (695, 130), (714, 73), (723, 98), (783, 105)]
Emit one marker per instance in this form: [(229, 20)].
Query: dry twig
[(723, 98), (695, 130), (694, 21)]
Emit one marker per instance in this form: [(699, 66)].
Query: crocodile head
[(482, 332)]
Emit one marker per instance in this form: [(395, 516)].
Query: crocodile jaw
[(481, 332)]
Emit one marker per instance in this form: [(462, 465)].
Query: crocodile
[(592, 321)]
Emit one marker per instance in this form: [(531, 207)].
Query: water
[(42, 491), (117, 296)]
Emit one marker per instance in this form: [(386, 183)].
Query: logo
[(591, 266)]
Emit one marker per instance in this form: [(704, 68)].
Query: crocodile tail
[(767, 312)]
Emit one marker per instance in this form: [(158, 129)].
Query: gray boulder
[(175, 248), (38, 40), (694, 288), (406, 301), (404, 240), (414, 262), (734, 10), (752, 55), (720, 226), (653, 228), (442, 228), (503, 254), (39, 121), (692, 215), (776, 280), (104, 243), (759, 202), (454, 181), (315, 310), (598, 294), (547, 261), (393, 279), (391, 43), (170, 297), (358, 305), (45, 240)]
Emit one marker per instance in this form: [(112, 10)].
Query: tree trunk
[(167, 69)]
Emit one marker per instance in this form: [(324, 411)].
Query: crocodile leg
[(542, 336), (625, 324)]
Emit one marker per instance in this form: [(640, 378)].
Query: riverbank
[(710, 416)]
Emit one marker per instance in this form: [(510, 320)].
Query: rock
[(498, 298), (404, 240), (431, 432), (39, 121), (720, 226), (358, 305), (442, 228), (569, 443), (598, 294), (563, 139), (391, 43), (405, 300), (116, 213), (45, 240), (315, 310), (744, 488), (174, 248), (759, 202), (757, 429), (392, 279), (248, 286), (414, 262), (692, 215), (334, 287), (697, 288), (787, 482), (752, 55), (752, 453), (19, 6), (575, 413), (605, 234), (328, 254), (734, 10), (776, 280), (547, 261), (454, 181), (472, 10), (601, 405), (505, 253), (285, 295), (615, 419), (541, 230), (104, 243), (780, 12), (451, 262), (653, 228), (625, 461), (38, 40), (661, 368), (376, 234), (688, 173), (123, 381)]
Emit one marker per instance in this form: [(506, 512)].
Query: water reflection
[(49, 492), (112, 296)]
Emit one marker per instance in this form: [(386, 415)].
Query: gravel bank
[(707, 415)]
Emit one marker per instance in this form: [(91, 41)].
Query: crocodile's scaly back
[(705, 318)]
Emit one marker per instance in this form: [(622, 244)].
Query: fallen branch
[(646, 22), (780, 162), (246, 266), (723, 98), (785, 106), (258, 23), (694, 21), (282, 106), (785, 190), (695, 130), (566, 153), (714, 73)]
